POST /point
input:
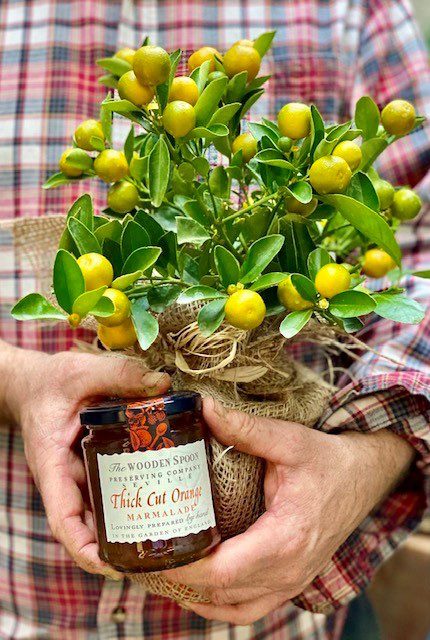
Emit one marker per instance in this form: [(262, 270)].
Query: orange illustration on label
[(148, 425)]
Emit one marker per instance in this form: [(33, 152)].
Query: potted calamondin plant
[(210, 267)]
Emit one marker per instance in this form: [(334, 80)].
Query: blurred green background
[(422, 12)]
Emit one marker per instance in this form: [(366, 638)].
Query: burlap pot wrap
[(249, 371)]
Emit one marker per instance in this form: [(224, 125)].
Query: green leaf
[(367, 117), (317, 129), (199, 292), (97, 143), (201, 165), (304, 286), (123, 282), (112, 230), (145, 324), (106, 122), (259, 256), (398, 308), (268, 280), (84, 239), (227, 266), (190, 231), (351, 325), (298, 245), (36, 307), (104, 308), (129, 145), (250, 99), (209, 100), (57, 179), (237, 86), (164, 88), (69, 282), (209, 133), (317, 259), (116, 66), (425, 273), (219, 182), (210, 317), (141, 259), (108, 81), (112, 251), (82, 209), (350, 304), (87, 301), (151, 226), (259, 130), (294, 322), (79, 159), (263, 42), (133, 237), (361, 188), (159, 172), (370, 150), (200, 75), (224, 114), (367, 221), (274, 158), (162, 296), (302, 191)]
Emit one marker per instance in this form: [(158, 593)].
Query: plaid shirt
[(328, 52)]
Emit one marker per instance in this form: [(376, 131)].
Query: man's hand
[(318, 488), (44, 394)]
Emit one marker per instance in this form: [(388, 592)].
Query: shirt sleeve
[(393, 63), (389, 386)]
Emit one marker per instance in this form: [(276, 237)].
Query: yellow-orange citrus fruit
[(330, 174), (398, 117), (111, 165), (406, 204), (65, 167), (179, 118), (200, 56), (244, 42), (151, 65), (245, 309), (350, 152), (121, 305), (247, 143), (126, 54), (120, 337), (291, 298), (294, 120), (295, 206), (377, 263), (96, 269), (332, 279), (85, 131), (122, 196), (385, 192), (185, 89), (242, 58), (129, 88)]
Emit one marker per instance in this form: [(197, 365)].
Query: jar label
[(156, 494)]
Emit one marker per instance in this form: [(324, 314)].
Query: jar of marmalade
[(149, 481)]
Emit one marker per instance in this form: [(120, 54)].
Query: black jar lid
[(113, 411)]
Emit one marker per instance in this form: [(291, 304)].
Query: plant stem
[(239, 213)]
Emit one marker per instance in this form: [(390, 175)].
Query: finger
[(68, 520), (238, 614), (115, 376), (234, 564), (275, 440)]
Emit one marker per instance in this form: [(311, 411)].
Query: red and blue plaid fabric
[(328, 52)]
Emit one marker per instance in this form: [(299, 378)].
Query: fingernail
[(153, 380), (111, 574)]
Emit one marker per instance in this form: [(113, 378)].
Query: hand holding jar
[(44, 395)]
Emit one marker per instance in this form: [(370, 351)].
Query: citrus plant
[(287, 225)]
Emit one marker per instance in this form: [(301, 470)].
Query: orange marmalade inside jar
[(149, 481)]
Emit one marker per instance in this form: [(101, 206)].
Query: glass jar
[(149, 481)]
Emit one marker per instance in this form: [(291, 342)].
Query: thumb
[(277, 441), (116, 376)]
